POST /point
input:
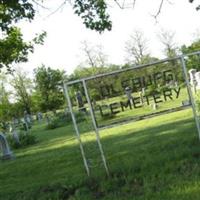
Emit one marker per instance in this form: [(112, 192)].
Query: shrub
[(54, 123), (57, 122), (80, 116), (62, 119), (24, 139), (197, 102)]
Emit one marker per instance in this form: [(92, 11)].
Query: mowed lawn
[(157, 158)]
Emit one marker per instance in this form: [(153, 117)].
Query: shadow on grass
[(151, 163)]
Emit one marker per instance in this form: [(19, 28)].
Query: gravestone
[(192, 75), (197, 77), (39, 116), (142, 94), (27, 119), (80, 101), (193, 82), (128, 92), (7, 154), (154, 106), (14, 134), (176, 84), (26, 126)]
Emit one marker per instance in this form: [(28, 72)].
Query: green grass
[(156, 159)]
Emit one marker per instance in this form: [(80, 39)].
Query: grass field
[(156, 159)]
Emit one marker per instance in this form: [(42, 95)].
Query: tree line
[(44, 91), (94, 14)]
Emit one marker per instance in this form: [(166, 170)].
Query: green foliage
[(58, 121), (80, 116), (23, 87), (197, 102), (14, 11), (192, 61), (13, 48), (94, 85), (16, 110), (4, 103), (94, 14), (49, 88), (62, 119), (25, 140), (54, 123), (39, 39)]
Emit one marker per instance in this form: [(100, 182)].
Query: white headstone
[(197, 77), (192, 75), (193, 81), (15, 136), (128, 92), (155, 106), (7, 154)]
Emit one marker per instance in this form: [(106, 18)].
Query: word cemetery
[(139, 101), (164, 86)]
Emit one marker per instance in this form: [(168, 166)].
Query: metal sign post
[(76, 130), (190, 94), (95, 127)]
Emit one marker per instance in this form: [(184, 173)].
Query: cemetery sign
[(132, 94)]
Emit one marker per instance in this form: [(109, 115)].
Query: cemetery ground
[(156, 158)]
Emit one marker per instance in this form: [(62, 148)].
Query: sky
[(65, 31)]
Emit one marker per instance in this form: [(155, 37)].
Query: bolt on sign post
[(131, 94)]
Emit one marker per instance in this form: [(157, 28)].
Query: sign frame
[(84, 81)]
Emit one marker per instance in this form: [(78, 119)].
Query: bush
[(24, 139), (57, 122), (62, 119), (54, 123), (80, 116)]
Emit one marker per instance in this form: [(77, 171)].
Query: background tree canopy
[(49, 84), (14, 49)]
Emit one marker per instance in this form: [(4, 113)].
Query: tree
[(23, 87), (95, 60), (13, 48), (95, 57), (137, 48), (94, 14), (192, 61), (167, 40), (49, 88), (4, 99)]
